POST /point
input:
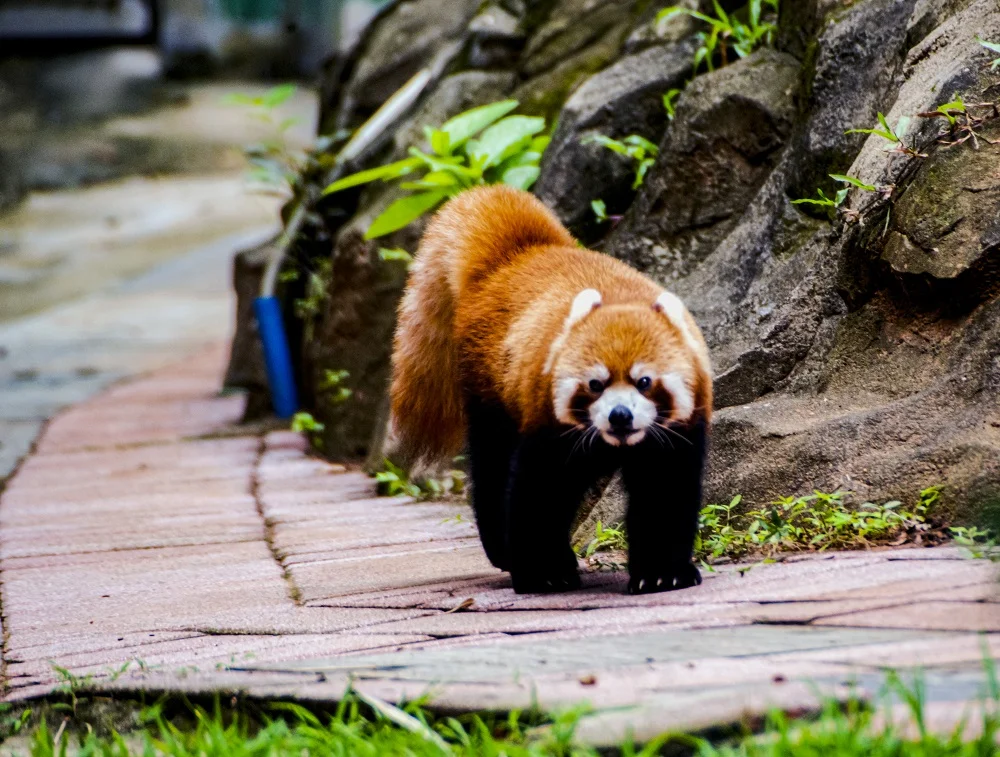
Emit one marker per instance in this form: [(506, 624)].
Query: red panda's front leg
[(547, 484), (663, 483)]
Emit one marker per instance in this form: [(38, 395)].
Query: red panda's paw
[(667, 579), (541, 582)]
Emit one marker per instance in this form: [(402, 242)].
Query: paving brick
[(932, 616)]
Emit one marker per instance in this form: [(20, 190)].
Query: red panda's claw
[(678, 577)]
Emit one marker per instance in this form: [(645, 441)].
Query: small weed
[(600, 210), (962, 122), (639, 149), (484, 145), (823, 201), (981, 543), (993, 47), (728, 32), (70, 684), (815, 522), (896, 136), (304, 423), (606, 538), (669, 102), (332, 385), (309, 306), (833, 203), (272, 164), (393, 481)]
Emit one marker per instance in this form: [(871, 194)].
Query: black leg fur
[(492, 440), (664, 491), (547, 484)]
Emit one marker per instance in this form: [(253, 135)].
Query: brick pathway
[(147, 528)]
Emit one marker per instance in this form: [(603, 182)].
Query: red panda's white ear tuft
[(585, 302)]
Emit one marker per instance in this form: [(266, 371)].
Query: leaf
[(852, 181), (539, 143), (877, 132), (277, 95), (521, 177), (440, 142), (388, 171), (433, 180), (993, 46), (471, 122), (636, 141), (885, 124), (402, 212), (612, 144), (841, 195), (600, 209), (502, 136), (395, 254), (238, 98)]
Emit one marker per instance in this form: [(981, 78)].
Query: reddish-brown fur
[(492, 284)]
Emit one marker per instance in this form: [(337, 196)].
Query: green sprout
[(727, 32), (639, 149)]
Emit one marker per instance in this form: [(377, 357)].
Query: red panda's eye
[(596, 386), (644, 383)]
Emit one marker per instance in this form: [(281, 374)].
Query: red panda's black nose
[(620, 418)]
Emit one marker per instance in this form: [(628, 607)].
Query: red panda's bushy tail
[(473, 235)]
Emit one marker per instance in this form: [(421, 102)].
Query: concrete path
[(147, 529)]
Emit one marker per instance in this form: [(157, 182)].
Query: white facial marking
[(566, 388), (643, 413), (562, 395), (583, 304), (683, 396)]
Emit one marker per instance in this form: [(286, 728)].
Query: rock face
[(856, 347)]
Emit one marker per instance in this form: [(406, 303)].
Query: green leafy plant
[(822, 200), (332, 385), (896, 136), (729, 31), (484, 145), (993, 47), (979, 542), (317, 292), (639, 149), (606, 538), (272, 163), (306, 424), (963, 122), (815, 522), (669, 102), (393, 481), (600, 210)]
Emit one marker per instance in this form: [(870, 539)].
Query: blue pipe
[(276, 356)]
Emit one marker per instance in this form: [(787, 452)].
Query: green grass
[(812, 523), (364, 726)]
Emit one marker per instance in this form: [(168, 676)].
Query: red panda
[(556, 365)]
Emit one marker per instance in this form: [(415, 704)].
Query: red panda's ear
[(586, 302), (583, 304)]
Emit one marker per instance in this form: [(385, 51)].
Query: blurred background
[(124, 131)]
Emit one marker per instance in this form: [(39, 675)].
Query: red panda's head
[(626, 371)]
